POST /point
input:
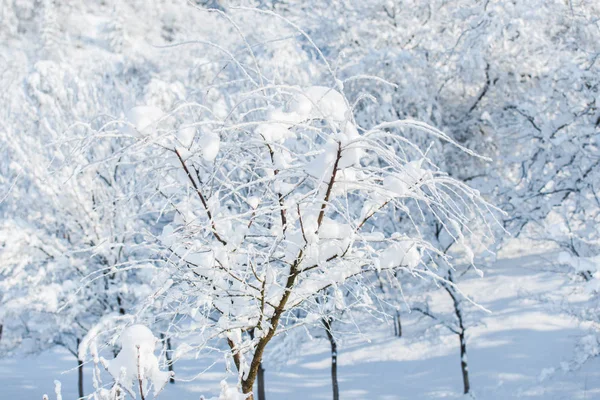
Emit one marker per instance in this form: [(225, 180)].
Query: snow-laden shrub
[(134, 370)]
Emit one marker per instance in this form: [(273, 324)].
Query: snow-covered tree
[(221, 173), (269, 206)]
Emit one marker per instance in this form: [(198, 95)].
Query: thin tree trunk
[(80, 378), (260, 376), (169, 356), (461, 334), (398, 324), (120, 304), (80, 374), (1, 327), (334, 379), (261, 383), (463, 362), (116, 349)]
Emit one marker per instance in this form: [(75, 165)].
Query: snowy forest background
[(299, 199)]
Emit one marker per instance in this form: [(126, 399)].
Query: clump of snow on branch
[(136, 361)]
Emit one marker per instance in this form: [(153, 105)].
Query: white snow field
[(516, 352)]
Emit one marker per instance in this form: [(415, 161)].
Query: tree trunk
[(248, 383), (260, 376), (261, 383), (169, 356), (463, 362), (80, 378), (398, 324), (1, 327), (120, 304), (334, 379), (461, 333), (80, 374)]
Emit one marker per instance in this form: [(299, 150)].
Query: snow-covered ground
[(516, 352)]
